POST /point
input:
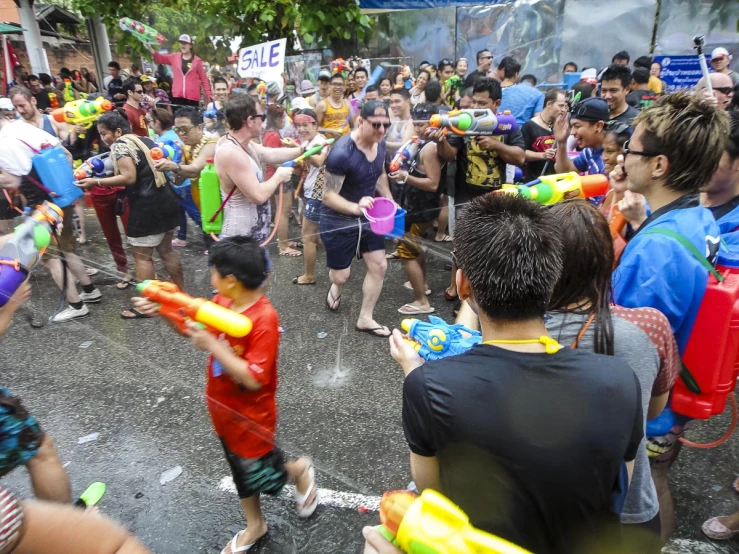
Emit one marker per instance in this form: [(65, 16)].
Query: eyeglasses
[(384, 124), (628, 151), (263, 116), (183, 130), (724, 90)]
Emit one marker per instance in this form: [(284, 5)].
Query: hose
[(724, 438)]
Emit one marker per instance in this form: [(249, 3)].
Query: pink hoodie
[(188, 85)]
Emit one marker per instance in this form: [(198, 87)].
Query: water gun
[(405, 154), (20, 254), (144, 33), (179, 307), (53, 100), (82, 112), (262, 92), (97, 166), (338, 66), (437, 339), (616, 226), (68, 91), (454, 82), (168, 149), (312, 151), (433, 524), (551, 189), (473, 123)]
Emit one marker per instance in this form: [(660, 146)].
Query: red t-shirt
[(137, 119), (271, 139), (244, 419)]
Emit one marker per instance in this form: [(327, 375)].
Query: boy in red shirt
[(241, 387)]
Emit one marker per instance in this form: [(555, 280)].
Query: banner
[(680, 71), (264, 61)]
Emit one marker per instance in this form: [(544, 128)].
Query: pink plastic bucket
[(381, 216)]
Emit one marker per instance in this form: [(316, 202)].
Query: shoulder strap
[(223, 205), (690, 247)]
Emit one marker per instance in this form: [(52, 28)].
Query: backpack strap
[(690, 247), (223, 205)]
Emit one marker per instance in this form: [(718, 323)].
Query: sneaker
[(179, 242), (69, 314), (91, 297)]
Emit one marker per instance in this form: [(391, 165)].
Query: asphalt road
[(140, 386)]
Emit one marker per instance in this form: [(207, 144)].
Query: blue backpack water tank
[(55, 172)]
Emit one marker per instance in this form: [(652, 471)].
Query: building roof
[(55, 14)]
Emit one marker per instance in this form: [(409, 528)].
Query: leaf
[(307, 37), (347, 35)]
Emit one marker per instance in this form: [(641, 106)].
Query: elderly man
[(723, 88)]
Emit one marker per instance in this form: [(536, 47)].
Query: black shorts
[(345, 237), (253, 476)]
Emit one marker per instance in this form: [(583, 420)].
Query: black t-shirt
[(628, 116), (641, 99), (115, 86), (480, 171), (472, 78), (537, 139), (529, 445), (421, 206), (42, 100), (186, 64)]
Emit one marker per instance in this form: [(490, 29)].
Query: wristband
[(404, 181)]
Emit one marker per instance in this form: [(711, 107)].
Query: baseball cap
[(185, 38), (368, 109), (6, 105), (299, 103), (591, 109), (720, 52), (147, 79), (306, 87), (324, 75)]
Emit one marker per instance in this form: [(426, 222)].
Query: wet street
[(139, 387)]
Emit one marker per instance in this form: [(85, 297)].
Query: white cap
[(299, 103), (6, 105), (720, 52), (185, 38)]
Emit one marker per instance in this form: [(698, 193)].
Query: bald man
[(723, 88)]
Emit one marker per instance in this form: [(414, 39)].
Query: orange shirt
[(244, 419)]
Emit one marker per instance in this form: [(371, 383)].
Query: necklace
[(551, 346), (196, 151)]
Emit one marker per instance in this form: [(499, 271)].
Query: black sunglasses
[(262, 115), (375, 125), (724, 90), (627, 151)]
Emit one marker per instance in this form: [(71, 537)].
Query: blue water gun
[(437, 339), (168, 149)]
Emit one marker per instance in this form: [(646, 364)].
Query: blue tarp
[(420, 4)]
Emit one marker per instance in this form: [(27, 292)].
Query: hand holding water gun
[(181, 308), (405, 154), (97, 166), (455, 82), (82, 112), (168, 149), (474, 122), (551, 189), (432, 524), (144, 33), (312, 151), (437, 339), (20, 254)]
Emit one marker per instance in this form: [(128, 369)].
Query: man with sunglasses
[(484, 63), (134, 91), (355, 172), (723, 89), (588, 122)]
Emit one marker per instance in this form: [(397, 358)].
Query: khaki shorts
[(66, 242), (410, 244), (149, 241)]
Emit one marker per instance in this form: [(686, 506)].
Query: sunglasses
[(263, 116), (724, 90), (385, 125), (139, 91), (627, 151), (183, 130)]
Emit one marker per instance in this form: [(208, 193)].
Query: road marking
[(326, 497)]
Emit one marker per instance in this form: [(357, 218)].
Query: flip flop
[(245, 548), (91, 496), (413, 310), (716, 530), (408, 286), (373, 331), (290, 253), (296, 281), (392, 256), (445, 238), (331, 299), (307, 510), (136, 314), (450, 297), (122, 284)]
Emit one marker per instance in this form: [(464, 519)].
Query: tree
[(316, 22)]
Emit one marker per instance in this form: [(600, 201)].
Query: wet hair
[(423, 111), (489, 85), (510, 250), (643, 61), (65, 73), (622, 55), (480, 53), (505, 62), (511, 69), (129, 85), (114, 120), (551, 96), (164, 117), (238, 108), (433, 91), (251, 87), (241, 257), (33, 78), (307, 111), (587, 266), (45, 79), (620, 132), (528, 78), (572, 64), (115, 65), (401, 92), (617, 73), (190, 112), (220, 80), (640, 76), (690, 132), (584, 88), (361, 69), (20, 90)]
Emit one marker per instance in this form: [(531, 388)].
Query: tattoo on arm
[(333, 183)]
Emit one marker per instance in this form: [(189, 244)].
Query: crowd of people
[(574, 310)]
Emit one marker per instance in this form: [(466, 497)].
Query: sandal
[(123, 284), (245, 548), (297, 281), (373, 331), (306, 510), (410, 309), (450, 297), (444, 238), (136, 314), (716, 530), (332, 302), (392, 256), (290, 253)]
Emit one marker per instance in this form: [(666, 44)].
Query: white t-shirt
[(310, 179), (15, 156)]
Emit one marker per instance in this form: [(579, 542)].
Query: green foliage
[(316, 22)]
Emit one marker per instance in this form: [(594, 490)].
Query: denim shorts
[(312, 210)]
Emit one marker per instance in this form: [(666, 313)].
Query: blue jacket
[(658, 272)]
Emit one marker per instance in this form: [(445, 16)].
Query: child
[(241, 387)]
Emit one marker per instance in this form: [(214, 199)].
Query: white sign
[(264, 61)]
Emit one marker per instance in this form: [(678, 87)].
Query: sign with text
[(680, 72), (264, 61)]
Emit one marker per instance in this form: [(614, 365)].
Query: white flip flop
[(716, 530), (307, 510), (240, 549)]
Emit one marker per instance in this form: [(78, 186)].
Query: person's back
[(523, 101)]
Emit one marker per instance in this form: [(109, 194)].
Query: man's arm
[(61, 129), (193, 169), (244, 178), (276, 156), (331, 197), (9, 181), (446, 151), (510, 154), (432, 167), (425, 472)]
